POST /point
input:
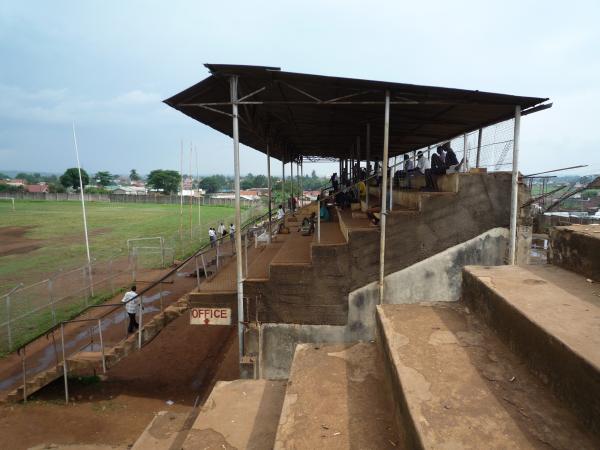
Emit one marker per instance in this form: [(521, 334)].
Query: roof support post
[(465, 153), (283, 181), (384, 173), (301, 178), (514, 206), (368, 148), (233, 85), (477, 161), (270, 194), (292, 185)]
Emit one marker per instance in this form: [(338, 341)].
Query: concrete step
[(576, 248), (551, 317), (456, 385), (336, 399), (239, 414)]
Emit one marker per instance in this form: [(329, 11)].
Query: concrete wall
[(317, 294), (439, 277), (436, 278), (576, 248)]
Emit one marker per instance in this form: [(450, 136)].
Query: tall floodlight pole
[(514, 207), (238, 216), (181, 193), (269, 191), (384, 173), (85, 229)]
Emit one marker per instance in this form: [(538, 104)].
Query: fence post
[(91, 279), (110, 277), (10, 343), (85, 283), (160, 295), (24, 375), (204, 266), (101, 345), (197, 272), (141, 325), (162, 252), (134, 265), (65, 369), (51, 297), (246, 254)]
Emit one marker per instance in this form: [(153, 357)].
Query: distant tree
[(260, 181), (11, 189), (30, 178), (56, 188), (3, 176), (215, 183), (103, 178), (133, 175), (247, 182), (313, 174), (167, 180), (71, 178)]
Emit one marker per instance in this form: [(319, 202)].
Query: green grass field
[(57, 229)]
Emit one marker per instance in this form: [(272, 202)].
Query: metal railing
[(147, 297)]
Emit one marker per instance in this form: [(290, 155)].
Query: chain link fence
[(28, 311)]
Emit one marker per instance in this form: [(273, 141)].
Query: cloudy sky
[(109, 64)]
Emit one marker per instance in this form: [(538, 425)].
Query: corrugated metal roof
[(316, 115)]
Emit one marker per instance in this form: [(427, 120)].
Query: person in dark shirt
[(451, 159)]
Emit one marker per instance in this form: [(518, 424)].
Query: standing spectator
[(231, 232), (221, 230), (280, 212), (334, 182), (132, 307), (294, 204), (212, 235)]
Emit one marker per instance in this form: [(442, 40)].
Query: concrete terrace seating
[(456, 385)]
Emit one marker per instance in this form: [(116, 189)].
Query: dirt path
[(180, 365)]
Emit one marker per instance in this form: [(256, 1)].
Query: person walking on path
[(132, 307), (212, 235), (221, 230)]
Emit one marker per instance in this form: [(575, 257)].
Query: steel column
[(384, 173), (479, 134), (101, 345), (65, 368), (238, 217), (514, 206), (270, 196)]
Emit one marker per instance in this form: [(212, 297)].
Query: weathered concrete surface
[(457, 386), (317, 293), (410, 285), (439, 277), (240, 414), (551, 317), (576, 248), (161, 432), (336, 399), (278, 341)]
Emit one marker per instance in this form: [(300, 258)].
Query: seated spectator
[(334, 181), (423, 168), (452, 164)]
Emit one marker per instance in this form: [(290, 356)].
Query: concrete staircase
[(514, 364), (90, 363)]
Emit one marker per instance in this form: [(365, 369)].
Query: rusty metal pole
[(270, 195), (479, 135), (384, 173), (65, 368)]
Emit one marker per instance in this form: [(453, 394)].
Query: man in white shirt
[(212, 235), (422, 163), (132, 307), (221, 230), (280, 213), (232, 232)]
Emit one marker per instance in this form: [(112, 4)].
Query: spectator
[(334, 181), (231, 232), (212, 235), (132, 307), (221, 230), (280, 212)]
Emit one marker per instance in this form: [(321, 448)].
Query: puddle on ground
[(53, 352)]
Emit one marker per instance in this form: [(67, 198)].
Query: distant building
[(16, 182), (193, 192), (129, 190), (37, 188)]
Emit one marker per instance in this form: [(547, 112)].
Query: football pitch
[(40, 238)]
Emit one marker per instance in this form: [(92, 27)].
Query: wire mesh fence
[(490, 148), (28, 311), (103, 328)]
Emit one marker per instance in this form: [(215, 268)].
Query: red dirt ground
[(13, 241), (180, 364)]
